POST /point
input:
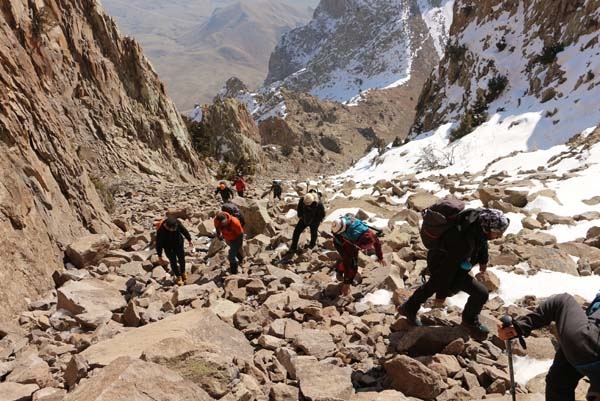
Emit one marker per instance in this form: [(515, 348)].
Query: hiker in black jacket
[(463, 246), (275, 188), (311, 213), (225, 192), (169, 237), (578, 353)]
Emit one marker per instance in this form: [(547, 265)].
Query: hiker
[(351, 235), (225, 192), (234, 210), (240, 185), (230, 229), (169, 237), (275, 188), (461, 247), (311, 213), (578, 353)]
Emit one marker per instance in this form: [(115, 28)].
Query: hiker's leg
[(478, 296), (296, 236), (562, 379), (422, 293), (181, 261), (172, 256), (314, 233), (234, 249), (350, 260)]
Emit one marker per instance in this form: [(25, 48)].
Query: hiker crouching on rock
[(463, 246), (169, 238), (311, 213), (351, 235), (578, 353), (229, 228)]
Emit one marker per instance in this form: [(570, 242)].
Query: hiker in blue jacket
[(351, 235), (461, 247), (578, 353)]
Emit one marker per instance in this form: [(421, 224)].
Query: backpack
[(439, 218), (354, 228), (233, 210), (594, 305), (158, 223)]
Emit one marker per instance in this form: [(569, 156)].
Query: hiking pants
[(176, 260), (240, 193), (578, 338), (314, 231), (349, 254), (235, 252), (277, 194), (478, 296)]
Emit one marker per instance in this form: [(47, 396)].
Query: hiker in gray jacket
[(578, 354)]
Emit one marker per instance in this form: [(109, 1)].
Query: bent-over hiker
[(351, 235), (230, 229), (311, 213), (578, 353)]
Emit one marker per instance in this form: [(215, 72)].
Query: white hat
[(338, 226), (309, 198)]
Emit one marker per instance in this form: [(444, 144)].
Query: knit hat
[(171, 223), (338, 226), (310, 198), (493, 220)]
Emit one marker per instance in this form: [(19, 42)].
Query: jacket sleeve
[(320, 212), (184, 232), (300, 209)]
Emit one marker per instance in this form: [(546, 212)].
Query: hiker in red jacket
[(230, 229), (461, 247), (240, 185)]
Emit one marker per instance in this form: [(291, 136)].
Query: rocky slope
[(80, 109)]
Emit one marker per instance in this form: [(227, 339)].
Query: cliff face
[(515, 56), (80, 108)]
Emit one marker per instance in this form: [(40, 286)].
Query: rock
[(554, 260), (49, 394), (89, 295), (413, 378), (31, 369), (17, 392), (314, 385), (428, 340), (126, 379), (317, 343), (88, 249), (197, 324), (77, 369), (283, 392)]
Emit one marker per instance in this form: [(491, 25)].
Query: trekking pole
[(507, 322)]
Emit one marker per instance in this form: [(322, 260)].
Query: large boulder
[(88, 249), (89, 295)]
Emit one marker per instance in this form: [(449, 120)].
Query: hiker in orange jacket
[(240, 185), (230, 229)]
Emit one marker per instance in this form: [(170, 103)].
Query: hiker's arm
[(185, 233), (378, 250), (159, 244)]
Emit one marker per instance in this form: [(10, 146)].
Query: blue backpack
[(594, 305), (354, 228)]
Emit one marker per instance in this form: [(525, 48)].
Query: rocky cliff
[(510, 58), (80, 109)]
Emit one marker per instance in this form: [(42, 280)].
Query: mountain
[(81, 112), (356, 45), (210, 40)]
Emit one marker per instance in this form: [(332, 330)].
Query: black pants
[(176, 260), (562, 379), (314, 231), (478, 296), (277, 194), (240, 194)]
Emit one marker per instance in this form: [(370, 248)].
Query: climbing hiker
[(311, 213), (225, 192), (240, 185), (462, 246), (275, 188), (230, 229), (351, 235), (578, 352), (169, 237)]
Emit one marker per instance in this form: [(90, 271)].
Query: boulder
[(87, 249)]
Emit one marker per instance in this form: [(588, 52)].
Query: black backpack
[(233, 210), (439, 218)]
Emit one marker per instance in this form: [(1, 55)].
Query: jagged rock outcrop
[(228, 133), (80, 108), (491, 66), (353, 45)]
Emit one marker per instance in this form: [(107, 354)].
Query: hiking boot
[(410, 316), (179, 281), (477, 331), (184, 276), (233, 269)]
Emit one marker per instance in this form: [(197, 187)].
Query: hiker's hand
[(506, 333), (439, 302), (482, 268), (383, 262), (345, 289), (190, 243)]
